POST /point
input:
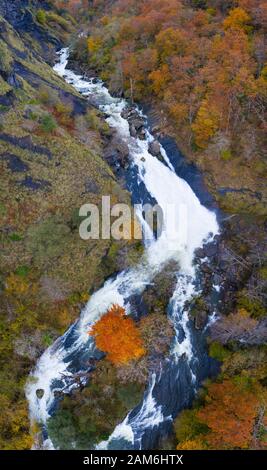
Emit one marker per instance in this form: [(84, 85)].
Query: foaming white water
[(184, 291), (53, 370)]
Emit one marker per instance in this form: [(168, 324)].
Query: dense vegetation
[(205, 61)]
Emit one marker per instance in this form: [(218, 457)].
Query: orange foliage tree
[(117, 335), (230, 413)]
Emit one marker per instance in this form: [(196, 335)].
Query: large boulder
[(117, 153), (155, 148), (138, 123), (133, 131), (40, 393), (210, 249), (157, 295)]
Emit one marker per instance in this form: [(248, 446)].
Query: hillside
[(51, 149)]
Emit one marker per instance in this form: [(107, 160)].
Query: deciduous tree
[(117, 335)]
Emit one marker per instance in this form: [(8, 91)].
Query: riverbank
[(51, 159)]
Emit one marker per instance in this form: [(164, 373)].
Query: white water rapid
[(56, 366)]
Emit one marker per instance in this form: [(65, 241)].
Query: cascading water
[(70, 354)]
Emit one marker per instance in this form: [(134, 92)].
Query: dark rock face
[(79, 104), (200, 253), (136, 122), (34, 184), (210, 249), (201, 320), (117, 153), (133, 131), (14, 163), (25, 143), (154, 148), (7, 99), (19, 15), (14, 81), (91, 186)]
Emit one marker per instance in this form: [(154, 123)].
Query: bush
[(217, 351), (41, 16), (48, 123), (63, 112), (52, 17), (79, 50), (15, 237), (95, 123), (226, 154), (188, 427), (22, 271), (93, 120), (255, 308), (48, 96)]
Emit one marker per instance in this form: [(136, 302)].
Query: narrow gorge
[(188, 363)]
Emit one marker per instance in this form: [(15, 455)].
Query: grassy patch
[(48, 124)]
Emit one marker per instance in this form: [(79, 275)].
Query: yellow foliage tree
[(94, 44), (238, 18), (206, 124), (160, 79)]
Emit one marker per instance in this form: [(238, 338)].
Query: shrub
[(15, 237), (47, 340), (188, 427), (52, 17), (95, 123), (255, 308), (48, 96), (63, 113), (41, 16), (22, 271), (48, 123), (226, 154), (217, 351), (93, 120)]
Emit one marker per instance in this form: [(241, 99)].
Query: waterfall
[(70, 353)]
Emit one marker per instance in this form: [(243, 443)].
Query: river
[(174, 387)]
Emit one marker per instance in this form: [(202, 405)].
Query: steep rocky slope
[(51, 148)]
